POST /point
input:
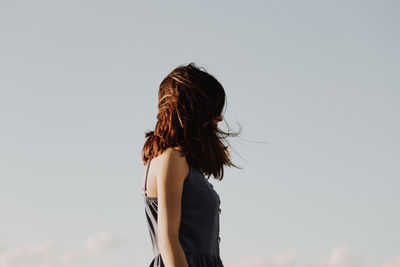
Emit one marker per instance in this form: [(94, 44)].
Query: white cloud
[(395, 262), (283, 259), (31, 255), (47, 254), (339, 257), (95, 245), (102, 242)]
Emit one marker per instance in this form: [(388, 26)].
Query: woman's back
[(199, 224)]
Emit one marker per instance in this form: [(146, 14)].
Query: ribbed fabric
[(199, 227)]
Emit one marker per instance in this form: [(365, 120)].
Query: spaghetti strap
[(145, 179)]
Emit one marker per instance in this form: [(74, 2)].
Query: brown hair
[(189, 99)]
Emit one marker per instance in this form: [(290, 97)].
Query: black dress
[(199, 227)]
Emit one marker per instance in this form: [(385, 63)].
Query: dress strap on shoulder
[(145, 179)]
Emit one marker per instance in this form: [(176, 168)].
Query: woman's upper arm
[(170, 178)]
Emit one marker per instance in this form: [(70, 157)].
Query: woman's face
[(217, 119)]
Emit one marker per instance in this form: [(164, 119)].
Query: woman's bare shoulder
[(171, 160)]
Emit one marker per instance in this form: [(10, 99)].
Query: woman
[(182, 208)]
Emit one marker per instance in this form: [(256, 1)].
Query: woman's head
[(190, 105)]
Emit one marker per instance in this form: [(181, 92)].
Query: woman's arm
[(171, 175)]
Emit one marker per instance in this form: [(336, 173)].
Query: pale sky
[(314, 85)]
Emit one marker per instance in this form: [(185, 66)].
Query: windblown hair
[(189, 99)]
